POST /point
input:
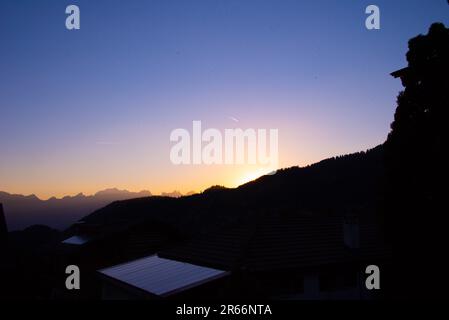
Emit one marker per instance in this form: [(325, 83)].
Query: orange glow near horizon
[(136, 167), (162, 178), (252, 175), (230, 178)]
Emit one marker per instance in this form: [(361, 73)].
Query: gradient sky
[(90, 109)]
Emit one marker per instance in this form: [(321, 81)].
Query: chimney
[(351, 231), (3, 227)]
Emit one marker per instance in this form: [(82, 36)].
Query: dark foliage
[(416, 164)]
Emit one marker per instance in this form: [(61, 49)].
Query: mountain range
[(332, 186), (23, 211), (335, 186)]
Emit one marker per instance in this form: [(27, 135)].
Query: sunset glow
[(93, 108)]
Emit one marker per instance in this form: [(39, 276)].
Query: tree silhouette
[(416, 164)]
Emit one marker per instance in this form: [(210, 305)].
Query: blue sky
[(93, 108)]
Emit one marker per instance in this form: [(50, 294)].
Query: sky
[(89, 109)]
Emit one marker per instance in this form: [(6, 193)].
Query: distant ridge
[(333, 187), (23, 211)]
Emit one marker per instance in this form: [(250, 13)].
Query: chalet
[(95, 246), (279, 256)]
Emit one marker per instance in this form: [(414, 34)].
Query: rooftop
[(161, 277), (77, 240), (279, 243)]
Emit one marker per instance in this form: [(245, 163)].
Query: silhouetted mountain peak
[(22, 211), (80, 195), (174, 194), (115, 192), (330, 187), (5, 195)]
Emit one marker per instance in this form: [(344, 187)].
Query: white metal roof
[(77, 240), (162, 277)]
